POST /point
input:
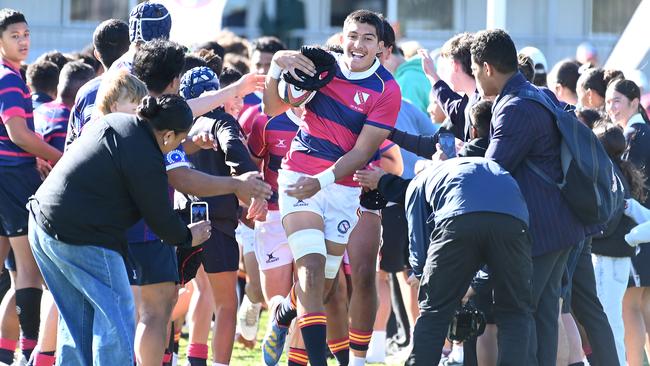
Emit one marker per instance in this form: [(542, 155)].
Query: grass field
[(253, 357), (250, 357)]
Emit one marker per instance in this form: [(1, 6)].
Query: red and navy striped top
[(251, 100), (336, 115), (270, 141), (51, 122), (15, 101), (249, 116)]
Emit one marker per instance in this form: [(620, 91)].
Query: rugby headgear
[(148, 21), (198, 80), (325, 65)]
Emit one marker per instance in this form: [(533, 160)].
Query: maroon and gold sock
[(313, 327), (297, 357), (340, 348), (197, 354), (7, 349), (359, 339)]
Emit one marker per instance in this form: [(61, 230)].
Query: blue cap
[(149, 21), (198, 80)]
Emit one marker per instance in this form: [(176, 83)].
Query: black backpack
[(589, 185)]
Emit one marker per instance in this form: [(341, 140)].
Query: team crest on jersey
[(281, 143), (360, 97), (343, 226)]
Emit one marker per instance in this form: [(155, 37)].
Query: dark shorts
[(567, 277), (220, 253), (395, 240), (17, 184), (10, 261), (151, 262), (641, 267)]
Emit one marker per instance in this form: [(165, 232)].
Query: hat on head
[(148, 21), (198, 80), (538, 58)]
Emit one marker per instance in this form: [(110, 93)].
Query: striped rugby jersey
[(83, 108), (51, 122), (270, 140), (249, 116), (336, 115), (15, 101)]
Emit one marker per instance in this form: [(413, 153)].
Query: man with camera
[(476, 214)]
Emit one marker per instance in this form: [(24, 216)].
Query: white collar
[(635, 119), (357, 75), (292, 116)]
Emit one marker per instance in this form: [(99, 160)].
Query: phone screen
[(448, 143), (199, 212)]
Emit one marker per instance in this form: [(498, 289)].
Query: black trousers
[(589, 312), (547, 277), (459, 246)]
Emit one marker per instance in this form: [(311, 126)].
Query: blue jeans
[(91, 290)]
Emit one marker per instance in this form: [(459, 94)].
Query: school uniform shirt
[(15, 101), (270, 141), (336, 115), (51, 122), (637, 134)]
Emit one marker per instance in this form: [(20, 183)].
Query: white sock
[(356, 361), (377, 347)]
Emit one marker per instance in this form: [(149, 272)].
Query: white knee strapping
[(308, 241), (332, 264)]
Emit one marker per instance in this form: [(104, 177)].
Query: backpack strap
[(543, 99), (540, 173)]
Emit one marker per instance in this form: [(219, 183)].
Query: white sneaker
[(377, 347), (20, 361), (456, 356), (249, 316)]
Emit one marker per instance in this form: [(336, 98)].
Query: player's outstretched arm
[(194, 182), (216, 98)]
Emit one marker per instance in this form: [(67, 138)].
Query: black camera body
[(468, 322)]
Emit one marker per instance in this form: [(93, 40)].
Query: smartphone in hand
[(448, 143), (199, 212)]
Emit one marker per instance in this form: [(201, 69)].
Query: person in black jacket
[(220, 256), (623, 107), (109, 179), (611, 254)]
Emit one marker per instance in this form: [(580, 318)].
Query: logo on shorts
[(300, 203), (270, 258), (281, 143), (343, 226)]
